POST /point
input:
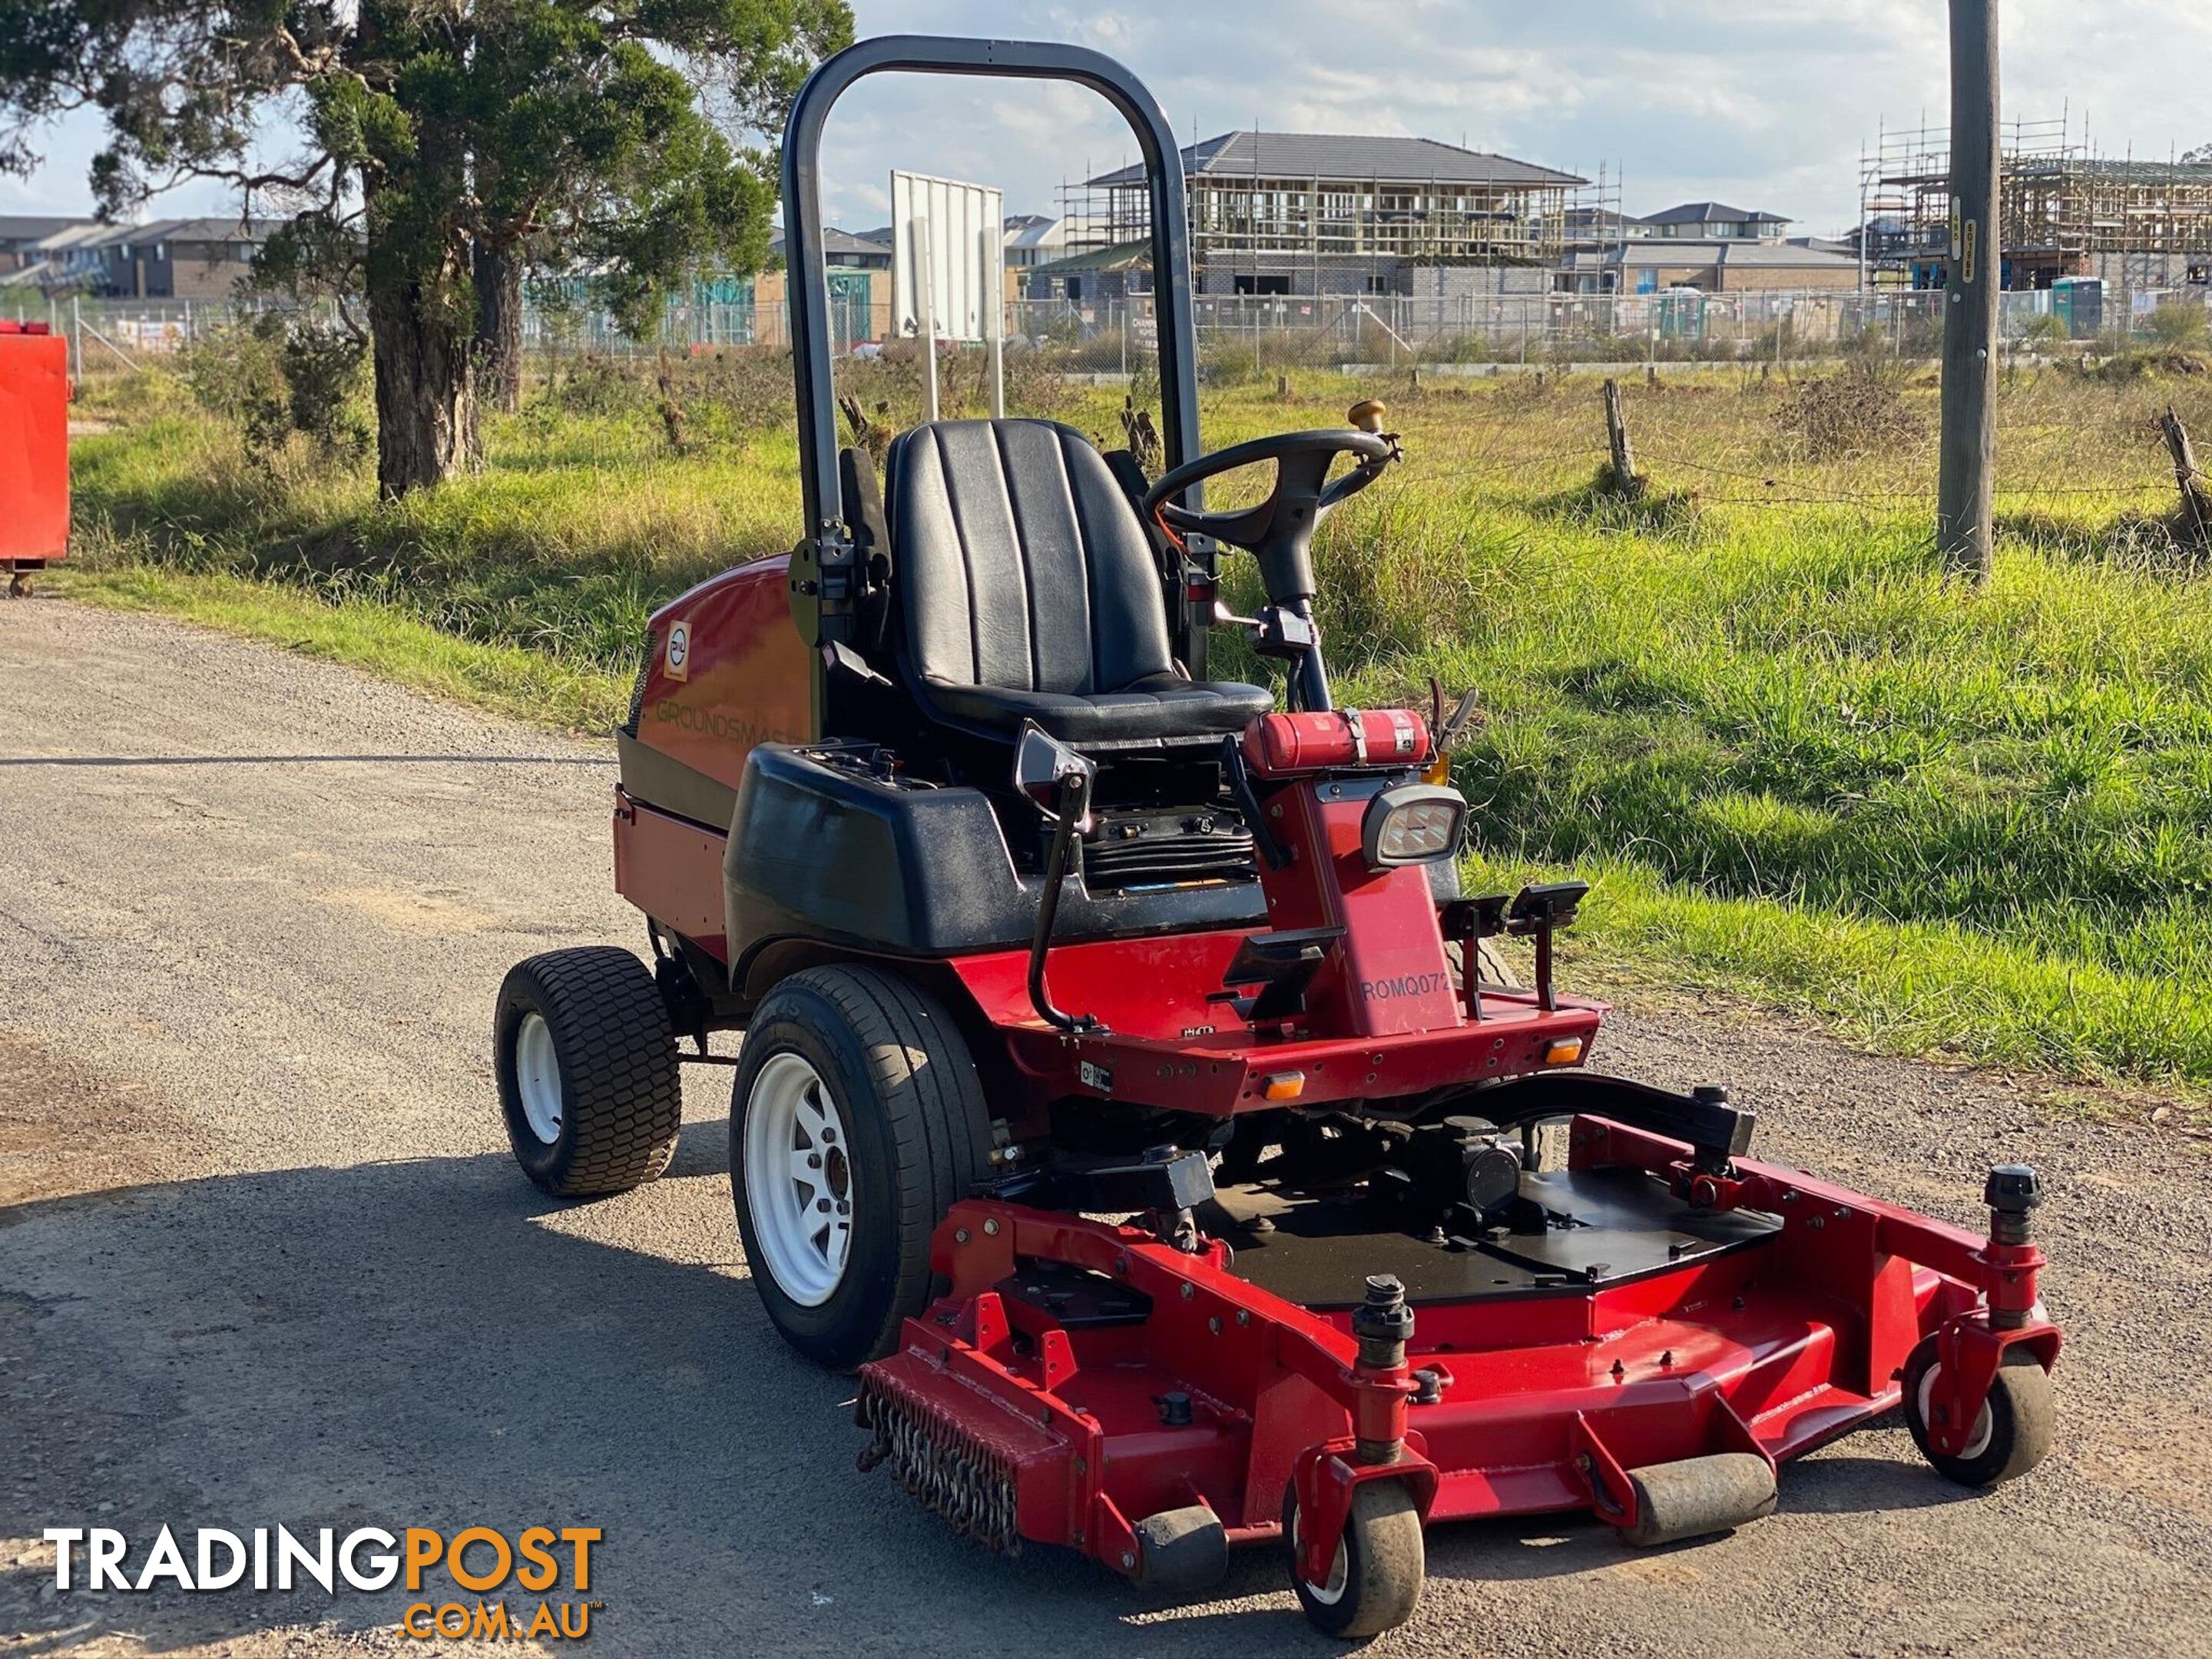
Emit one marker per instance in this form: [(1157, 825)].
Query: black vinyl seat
[(1027, 591)]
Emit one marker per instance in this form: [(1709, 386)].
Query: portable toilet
[(2079, 302), (1682, 313)]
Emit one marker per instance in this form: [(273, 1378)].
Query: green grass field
[(1802, 767)]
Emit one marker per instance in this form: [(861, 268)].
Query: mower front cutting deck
[(1643, 1341)]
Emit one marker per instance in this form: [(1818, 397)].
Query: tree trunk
[(499, 326), (426, 412)]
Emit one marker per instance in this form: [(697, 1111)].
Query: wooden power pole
[(1963, 533)]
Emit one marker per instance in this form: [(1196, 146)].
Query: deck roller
[(1699, 1495)]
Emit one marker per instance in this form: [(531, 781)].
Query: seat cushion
[(1159, 708), (1027, 589)]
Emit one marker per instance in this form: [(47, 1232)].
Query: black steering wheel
[(1279, 533)]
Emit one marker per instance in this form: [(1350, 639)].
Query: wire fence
[(2076, 437), (1253, 334)]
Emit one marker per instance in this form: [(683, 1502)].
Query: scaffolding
[(2064, 211), (1595, 235)]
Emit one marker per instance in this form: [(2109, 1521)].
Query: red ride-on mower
[(1027, 921)]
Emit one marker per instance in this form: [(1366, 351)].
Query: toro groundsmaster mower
[(1126, 1087)]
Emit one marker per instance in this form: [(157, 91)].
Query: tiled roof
[(1350, 156)]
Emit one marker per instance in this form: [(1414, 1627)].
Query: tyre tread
[(623, 1087)]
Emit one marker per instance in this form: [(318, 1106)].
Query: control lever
[(1265, 841), (1448, 729), (1057, 782)]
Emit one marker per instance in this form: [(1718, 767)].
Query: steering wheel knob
[(1367, 414)]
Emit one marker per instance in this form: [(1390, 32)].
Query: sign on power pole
[(948, 271), (1963, 530)]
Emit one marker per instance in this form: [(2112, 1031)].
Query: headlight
[(1412, 824)]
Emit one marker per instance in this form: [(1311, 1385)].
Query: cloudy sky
[(1765, 104)]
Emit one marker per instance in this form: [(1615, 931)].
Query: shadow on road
[(432, 1343), (305, 760)]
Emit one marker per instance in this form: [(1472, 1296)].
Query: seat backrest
[(1020, 562)]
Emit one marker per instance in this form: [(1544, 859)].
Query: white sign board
[(949, 268), (948, 253)]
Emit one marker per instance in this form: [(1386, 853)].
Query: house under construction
[(1303, 213), (2064, 211)]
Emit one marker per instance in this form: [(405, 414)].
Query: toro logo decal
[(678, 657)]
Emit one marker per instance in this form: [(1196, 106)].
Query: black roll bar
[(824, 576)]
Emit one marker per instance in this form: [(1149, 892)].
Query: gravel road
[(263, 1257)]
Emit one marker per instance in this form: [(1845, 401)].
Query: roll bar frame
[(824, 579)]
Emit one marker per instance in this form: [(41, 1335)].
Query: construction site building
[(2064, 211), (1304, 213)]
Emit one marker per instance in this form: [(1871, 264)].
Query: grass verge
[(1917, 988), (1805, 769), (365, 634)]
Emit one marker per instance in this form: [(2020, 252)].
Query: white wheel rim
[(1339, 1569), (798, 1179), (537, 1077), (1984, 1426)]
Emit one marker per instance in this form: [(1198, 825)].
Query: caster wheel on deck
[(1375, 1582), (2011, 1435)]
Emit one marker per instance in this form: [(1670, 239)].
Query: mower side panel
[(669, 869), (727, 672)]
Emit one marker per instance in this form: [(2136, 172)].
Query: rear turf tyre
[(1375, 1582), (2012, 1435), (587, 1071), (858, 1119), (1495, 969)]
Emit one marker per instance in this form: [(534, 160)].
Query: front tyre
[(858, 1119), (588, 1079)]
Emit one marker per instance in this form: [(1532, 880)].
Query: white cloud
[(1767, 106)]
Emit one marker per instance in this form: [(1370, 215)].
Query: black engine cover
[(822, 846)]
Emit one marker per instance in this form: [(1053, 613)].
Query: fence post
[(2195, 493), (1625, 481)]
